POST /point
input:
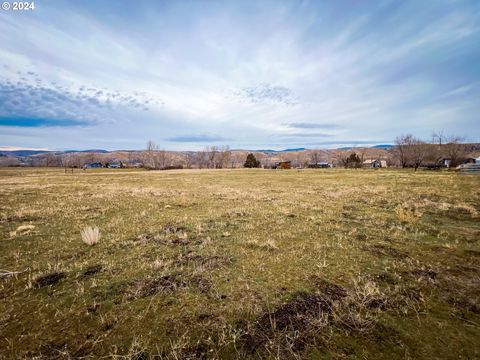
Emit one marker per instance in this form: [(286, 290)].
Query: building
[(372, 164), (320, 165), (115, 165), (94, 165), (283, 165)]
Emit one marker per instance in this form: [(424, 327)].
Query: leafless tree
[(212, 153), (455, 150), (401, 149), (224, 156), (409, 151), (315, 156), (201, 159), (149, 158)]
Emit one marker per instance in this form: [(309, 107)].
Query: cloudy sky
[(250, 74)]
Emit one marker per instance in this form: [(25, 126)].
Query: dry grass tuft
[(408, 215), (22, 230), (90, 235), (264, 245)]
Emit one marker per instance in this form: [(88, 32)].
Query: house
[(115, 165), (477, 160), (372, 164), (446, 162), (320, 165), (283, 165), (94, 165)]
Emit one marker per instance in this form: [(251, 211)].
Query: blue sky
[(250, 74)]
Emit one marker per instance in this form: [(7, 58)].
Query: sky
[(249, 74)]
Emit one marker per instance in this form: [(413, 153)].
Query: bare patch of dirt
[(49, 279), (169, 235), (425, 273), (294, 315), (462, 302), (385, 250), (361, 237), (92, 270), (202, 284), (142, 288), (206, 261), (473, 253), (331, 291), (385, 278)]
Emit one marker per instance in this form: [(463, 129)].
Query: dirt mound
[(49, 279), (296, 315), (168, 235), (92, 270), (425, 273), (386, 251), (142, 288), (293, 315)]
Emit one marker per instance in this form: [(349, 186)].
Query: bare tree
[(315, 156), (201, 159), (189, 159), (212, 155), (455, 150), (149, 158), (225, 154), (417, 154), (409, 151)]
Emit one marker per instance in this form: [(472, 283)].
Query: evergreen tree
[(251, 162)]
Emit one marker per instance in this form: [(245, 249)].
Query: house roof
[(370, 161)]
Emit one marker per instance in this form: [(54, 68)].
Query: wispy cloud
[(267, 93), (304, 125), (247, 73), (197, 138)]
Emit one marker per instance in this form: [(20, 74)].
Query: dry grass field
[(234, 264)]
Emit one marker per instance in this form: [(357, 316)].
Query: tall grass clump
[(90, 235)]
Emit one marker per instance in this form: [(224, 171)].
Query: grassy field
[(233, 264)]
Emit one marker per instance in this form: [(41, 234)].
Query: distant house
[(115, 165), (320, 165), (94, 165), (471, 160), (372, 164), (283, 165), (447, 162)]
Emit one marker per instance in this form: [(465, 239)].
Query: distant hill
[(23, 152), (98, 151), (382, 146), (279, 151)]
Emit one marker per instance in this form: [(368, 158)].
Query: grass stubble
[(239, 264)]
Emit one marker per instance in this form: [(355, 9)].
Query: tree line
[(410, 151)]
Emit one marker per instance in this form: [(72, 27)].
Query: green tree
[(251, 161), (352, 161)]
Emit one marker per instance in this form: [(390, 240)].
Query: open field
[(240, 264)]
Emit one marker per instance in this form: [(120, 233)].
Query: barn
[(283, 165)]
